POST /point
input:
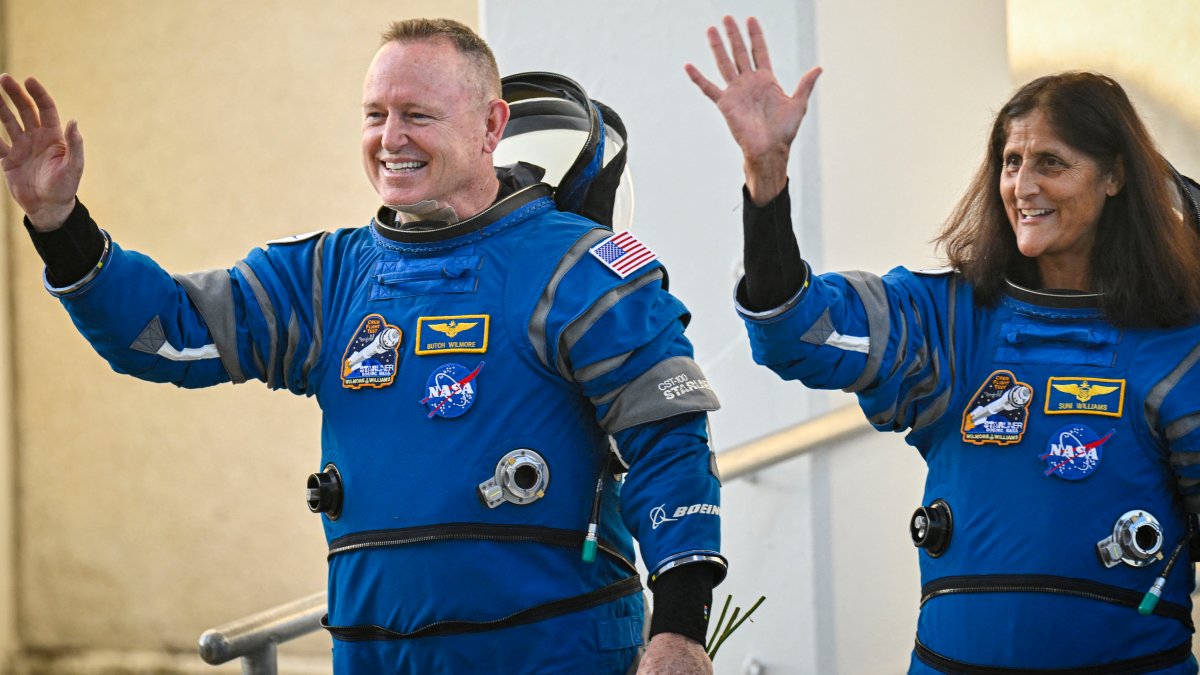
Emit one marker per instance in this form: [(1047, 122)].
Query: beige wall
[(1149, 47), (146, 513), (8, 496)]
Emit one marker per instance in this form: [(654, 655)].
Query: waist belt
[(1040, 583), (620, 589), (1141, 664), (424, 534)]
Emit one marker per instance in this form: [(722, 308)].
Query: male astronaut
[(507, 342)]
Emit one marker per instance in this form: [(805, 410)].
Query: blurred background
[(135, 516)]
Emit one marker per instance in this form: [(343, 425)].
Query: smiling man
[(486, 368)]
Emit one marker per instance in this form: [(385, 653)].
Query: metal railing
[(254, 638)]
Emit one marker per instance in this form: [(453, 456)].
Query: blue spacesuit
[(470, 376), (1054, 443)]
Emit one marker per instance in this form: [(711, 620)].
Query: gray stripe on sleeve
[(318, 290), (537, 323), (1184, 458), (212, 293), (293, 337), (1186, 483), (1183, 426), (268, 310), (871, 291), (902, 344), (953, 304), (672, 387), (579, 326), (1191, 503), (939, 406), (594, 370), (898, 413), (933, 412), (923, 388), (1158, 393)]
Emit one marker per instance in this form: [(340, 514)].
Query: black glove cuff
[(72, 251), (774, 269), (682, 598)]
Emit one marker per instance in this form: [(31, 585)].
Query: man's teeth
[(1030, 213), (403, 166)]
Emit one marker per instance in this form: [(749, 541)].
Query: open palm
[(762, 117), (42, 161)]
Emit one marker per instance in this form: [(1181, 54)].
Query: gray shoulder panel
[(212, 293), (672, 387)]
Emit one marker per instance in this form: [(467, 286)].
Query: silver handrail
[(791, 442), (254, 638)]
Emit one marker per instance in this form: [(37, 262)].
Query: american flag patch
[(623, 253)]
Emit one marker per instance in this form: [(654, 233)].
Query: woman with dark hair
[(1049, 377)]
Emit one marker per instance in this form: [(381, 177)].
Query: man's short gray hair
[(467, 41)]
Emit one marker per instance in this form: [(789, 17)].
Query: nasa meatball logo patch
[(1074, 452), (451, 390), (998, 411), (370, 358)]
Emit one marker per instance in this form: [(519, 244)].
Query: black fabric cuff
[(72, 251), (682, 599), (774, 269)]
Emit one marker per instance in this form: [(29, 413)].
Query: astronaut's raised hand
[(42, 161), (762, 117)]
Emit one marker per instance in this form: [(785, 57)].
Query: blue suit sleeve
[(621, 341), (197, 330), (885, 339)]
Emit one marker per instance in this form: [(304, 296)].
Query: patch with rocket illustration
[(370, 358), (997, 413)]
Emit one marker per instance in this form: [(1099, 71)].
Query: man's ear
[(496, 120)]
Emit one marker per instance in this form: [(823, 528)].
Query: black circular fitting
[(325, 492), (1147, 538), (931, 527)]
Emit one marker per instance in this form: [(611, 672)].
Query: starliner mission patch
[(998, 411), (370, 359)]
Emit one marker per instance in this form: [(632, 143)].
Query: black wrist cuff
[(682, 599), (72, 251), (774, 269)]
